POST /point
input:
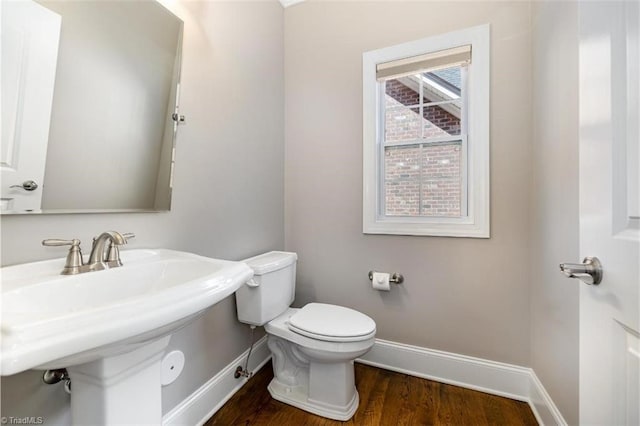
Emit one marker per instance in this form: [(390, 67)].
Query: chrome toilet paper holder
[(395, 278)]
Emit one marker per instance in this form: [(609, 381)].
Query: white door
[(30, 35), (610, 212)]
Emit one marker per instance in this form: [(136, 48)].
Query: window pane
[(442, 85), (402, 92), (441, 180), (442, 120), (423, 180), (402, 124), (402, 180)]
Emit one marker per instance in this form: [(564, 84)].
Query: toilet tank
[(272, 290)]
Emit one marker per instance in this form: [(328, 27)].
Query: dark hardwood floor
[(386, 398)]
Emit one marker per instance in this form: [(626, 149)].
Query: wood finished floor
[(386, 398)]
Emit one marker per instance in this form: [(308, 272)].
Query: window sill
[(444, 227)]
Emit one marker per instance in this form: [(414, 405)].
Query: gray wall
[(554, 202), (469, 296), (228, 187)]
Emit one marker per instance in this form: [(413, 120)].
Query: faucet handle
[(128, 235), (74, 261), (54, 242)]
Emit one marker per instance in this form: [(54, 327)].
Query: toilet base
[(314, 375), (299, 398)]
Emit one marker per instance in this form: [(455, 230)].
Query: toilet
[(313, 348)]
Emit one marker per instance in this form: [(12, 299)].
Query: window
[(426, 136)]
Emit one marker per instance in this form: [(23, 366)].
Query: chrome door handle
[(589, 271), (27, 185)]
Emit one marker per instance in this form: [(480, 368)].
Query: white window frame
[(477, 221)]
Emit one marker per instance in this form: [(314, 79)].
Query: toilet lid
[(332, 323)]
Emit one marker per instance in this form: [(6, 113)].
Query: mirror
[(88, 94)]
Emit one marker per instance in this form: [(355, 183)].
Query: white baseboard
[(542, 405), (492, 377), (198, 407), (496, 378)]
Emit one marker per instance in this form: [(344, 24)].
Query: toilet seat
[(332, 323)]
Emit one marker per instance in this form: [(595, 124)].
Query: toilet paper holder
[(395, 278)]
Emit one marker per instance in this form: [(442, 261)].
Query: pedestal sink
[(109, 328)]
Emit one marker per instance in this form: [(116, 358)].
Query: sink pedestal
[(119, 389)]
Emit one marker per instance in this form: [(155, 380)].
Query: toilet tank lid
[(271, 261)]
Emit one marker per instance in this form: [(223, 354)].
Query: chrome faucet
[(105, 252)]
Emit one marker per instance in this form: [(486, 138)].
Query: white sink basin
[(55, 321)]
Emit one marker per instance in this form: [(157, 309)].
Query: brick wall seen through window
[(421, 179)]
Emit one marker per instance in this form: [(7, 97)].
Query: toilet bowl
[(312, 374), (313, 348)]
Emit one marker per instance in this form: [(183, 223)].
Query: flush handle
[(589, 271), (252, 283)]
